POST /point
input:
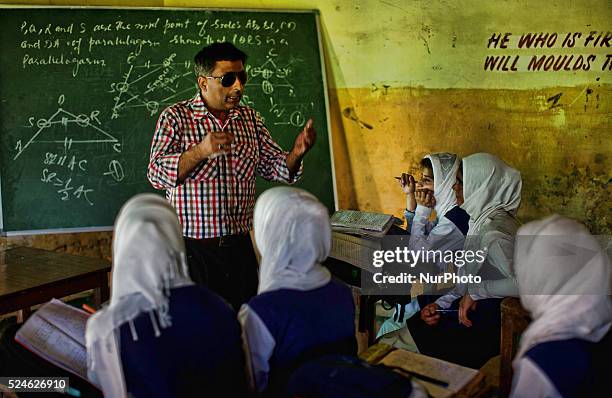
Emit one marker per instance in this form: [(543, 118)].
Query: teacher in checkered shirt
[(205, 153)]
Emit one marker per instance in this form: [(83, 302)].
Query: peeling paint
[(350, 114), (580, 193), (559, 119), (563, 144)]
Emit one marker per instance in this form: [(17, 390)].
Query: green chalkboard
[(82, 88)]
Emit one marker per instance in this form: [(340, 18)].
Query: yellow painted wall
[(406, 78)]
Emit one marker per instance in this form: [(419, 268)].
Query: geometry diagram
[(268, 71), (55, 130), (151, 86)]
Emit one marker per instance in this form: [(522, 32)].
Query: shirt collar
[(200, 111)]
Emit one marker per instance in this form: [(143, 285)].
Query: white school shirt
[(498, 238), (441, 235)]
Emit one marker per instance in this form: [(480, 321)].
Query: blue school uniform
[(563, 368), (297, 326), (199, 355)]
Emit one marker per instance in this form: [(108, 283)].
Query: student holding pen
[(490, 192), (434, 191)]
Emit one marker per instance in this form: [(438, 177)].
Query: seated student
[(161, 336), (492, 192), (447, 232), (299, 312), (564, 281)]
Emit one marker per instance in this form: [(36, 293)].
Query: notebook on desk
[(56, 333), (361, 222), (440, 378)]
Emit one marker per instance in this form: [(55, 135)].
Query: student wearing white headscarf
[(446, 232), (564, 282), (490, 192), (299, 312), (160, 335)]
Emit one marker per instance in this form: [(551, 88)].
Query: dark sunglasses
[(229, 78)]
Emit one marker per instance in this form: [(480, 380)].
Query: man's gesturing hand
[(216, 142), (303, 142)]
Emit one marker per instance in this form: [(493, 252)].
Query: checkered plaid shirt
[(218, 197)]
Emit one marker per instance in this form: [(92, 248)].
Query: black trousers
[(451, 341), (227, 265)]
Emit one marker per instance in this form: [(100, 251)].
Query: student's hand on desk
[(429, 314), (425, 197), (466, 304), (214, 143)]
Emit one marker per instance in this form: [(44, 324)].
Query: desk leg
[(367, 314), (23, 314), (371, 314), (101, 293)]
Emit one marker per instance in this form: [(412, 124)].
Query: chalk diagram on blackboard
[(49, 133), (151, 86), (272, 79), (267, 71)]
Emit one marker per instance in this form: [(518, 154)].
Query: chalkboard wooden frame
[(11, 232)]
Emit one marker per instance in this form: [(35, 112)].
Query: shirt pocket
[(206, 170), (244, 161)]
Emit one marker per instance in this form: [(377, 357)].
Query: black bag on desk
[(334, 376)]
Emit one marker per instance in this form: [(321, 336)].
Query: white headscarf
[(445, 167), (489, 185), (564, 282), (293, 235), (148, 261)]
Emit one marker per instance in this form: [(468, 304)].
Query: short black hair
[(207, 57), (426, 162)]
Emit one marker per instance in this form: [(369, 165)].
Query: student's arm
[(258, 346), (500, 252), (443, 237), (408, 185), (421, 226), (529, 381), (273, 160), (409, 216), (455, 293), (445, 301)]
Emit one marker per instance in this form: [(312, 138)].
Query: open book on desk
[(441, 379), (361, 222), (56, 333)]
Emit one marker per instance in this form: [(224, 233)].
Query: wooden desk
[(462, 382), (32, 276), (350, 257), (346, 261), (515, 320)]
